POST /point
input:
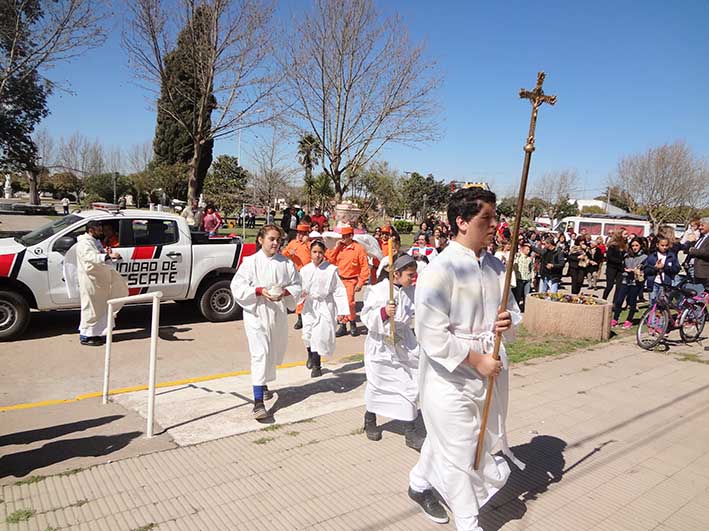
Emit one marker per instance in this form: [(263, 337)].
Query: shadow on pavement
[(544, 460), (60, 322), (52, 432), (344, 382), (20, 464), (165, 332)]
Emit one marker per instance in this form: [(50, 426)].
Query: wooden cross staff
[(537, 97)]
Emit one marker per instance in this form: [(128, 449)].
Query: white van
[(597, 226)]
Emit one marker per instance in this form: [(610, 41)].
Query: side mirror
[(63, 244)]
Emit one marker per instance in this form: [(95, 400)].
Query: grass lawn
[(406, 239), (527, 346)]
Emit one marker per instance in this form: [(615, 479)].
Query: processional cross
[(537, 98)]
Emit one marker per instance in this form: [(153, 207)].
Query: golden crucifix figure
[(537, 98)]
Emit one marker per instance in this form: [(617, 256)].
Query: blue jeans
[(655, 292), (551, 283)]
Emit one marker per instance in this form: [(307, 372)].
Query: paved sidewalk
[(615, 438)]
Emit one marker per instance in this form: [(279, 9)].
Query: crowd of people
[(431, 312), (436, 371)]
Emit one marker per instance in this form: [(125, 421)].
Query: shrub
[(403, 226)]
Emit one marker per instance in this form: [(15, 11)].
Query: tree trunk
[(33, 180), (193, 184)]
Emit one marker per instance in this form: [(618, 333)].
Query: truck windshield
[(50, 229)]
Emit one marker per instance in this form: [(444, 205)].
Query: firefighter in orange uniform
[(298, 250), (353, 267), (384, 242)]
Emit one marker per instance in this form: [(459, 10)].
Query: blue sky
[(628, 75)]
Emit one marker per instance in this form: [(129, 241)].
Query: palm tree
[(309, 154), (322, 187)]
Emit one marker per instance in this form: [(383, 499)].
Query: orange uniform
[(353, 267), (299, 252), (111, 241)]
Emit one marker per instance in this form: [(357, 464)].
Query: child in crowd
[(392, 365), (325, 298), (630, 283), (266, 286), (661, 267)]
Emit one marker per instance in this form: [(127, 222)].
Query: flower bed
[(581, 316), (588, 300)]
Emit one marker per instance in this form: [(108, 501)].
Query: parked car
[(159, 253)]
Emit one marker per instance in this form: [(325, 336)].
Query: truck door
[(55, 268), (156, 257)]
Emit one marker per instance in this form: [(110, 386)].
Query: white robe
[(457, 301), (392, 369), (98, 282), (266, 322), (325, 299)]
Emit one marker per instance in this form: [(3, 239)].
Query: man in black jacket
[(699, 254), (551, 267)]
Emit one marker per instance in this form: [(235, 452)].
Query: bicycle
[(694, 317), (676, 307)]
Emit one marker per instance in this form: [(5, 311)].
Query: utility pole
[(608, 199), (115, 178)]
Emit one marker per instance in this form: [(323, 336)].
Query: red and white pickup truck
[(159, 253)]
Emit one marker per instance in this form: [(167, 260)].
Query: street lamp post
[(115, 178)]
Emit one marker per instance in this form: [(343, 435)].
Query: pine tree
[(173, 143)]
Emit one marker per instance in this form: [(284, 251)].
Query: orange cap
[(303, 228), (386, 228), (346, 230)]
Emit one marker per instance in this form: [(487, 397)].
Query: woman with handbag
[(631, 282)]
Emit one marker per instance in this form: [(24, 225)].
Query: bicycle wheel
[(691, 323), (653, 327)]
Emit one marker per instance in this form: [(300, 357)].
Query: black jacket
[(555, 258), (614, 257)]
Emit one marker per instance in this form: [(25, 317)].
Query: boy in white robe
[(266, 286), (392, 367), (98, 283), (457, 315), (325, 299)]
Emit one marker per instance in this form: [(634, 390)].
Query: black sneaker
[(309, 363), (95, 341), (430, 505), (353, 329), (341, 330), (267, 393), (298, 323), (260, 412), (373, 432), (413, 438), (315, 372)]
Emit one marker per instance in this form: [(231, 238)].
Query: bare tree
[(65, 29), (46, 153), (664, 178), (80, 155), (113, 158), (46, 148), (357, 83), (229, 45), (273, 173), (140, 155), (555, 189)]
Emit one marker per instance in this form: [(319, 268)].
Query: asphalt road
[(48, 363)]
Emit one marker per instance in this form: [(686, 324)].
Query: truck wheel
[(217, 304), (14, 315)]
